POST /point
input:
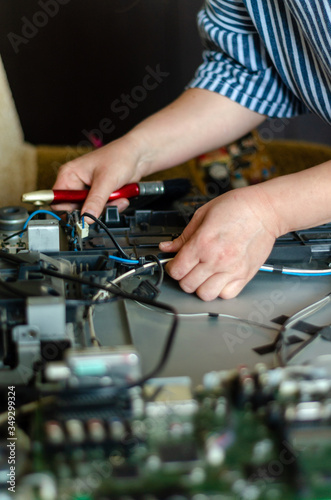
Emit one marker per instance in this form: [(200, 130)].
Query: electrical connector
[(146, 290), (82, 232)]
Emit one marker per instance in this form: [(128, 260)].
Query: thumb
[(178, 243), (171, 246)]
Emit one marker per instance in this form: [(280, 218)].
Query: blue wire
[(290, 273), (39, 212), (307, 274), (125, 261), (113, 257)]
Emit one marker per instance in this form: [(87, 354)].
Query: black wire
[(15, 234), (89, 302), (120, 293), (170, 337), (10, 288), (160, 268), (101, 224), (11, 257)]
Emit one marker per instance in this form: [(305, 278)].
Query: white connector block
[(82, 232)]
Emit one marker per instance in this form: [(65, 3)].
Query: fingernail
[(122, 205), (86, 218), (86, 209), (165, 244)]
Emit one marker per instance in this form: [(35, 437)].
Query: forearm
[(198, 121), (229, 238), (300, 200)]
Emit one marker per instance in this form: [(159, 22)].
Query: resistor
[(75, 430), (54, 432)]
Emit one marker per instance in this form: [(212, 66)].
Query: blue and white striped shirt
[(271, 56)]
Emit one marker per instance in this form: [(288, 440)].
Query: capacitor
[(96, 430), (117, 430), (75, 430), (54, 432)]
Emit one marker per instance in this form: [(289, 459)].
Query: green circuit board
[(239, 437)]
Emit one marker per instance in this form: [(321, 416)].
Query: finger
[(182, 264), (121, 204), (172, 246), (68, 207), (67, 178), (232, 289), (98, 194), (190, 229), (176, 244), (196, 277), (213, 286)]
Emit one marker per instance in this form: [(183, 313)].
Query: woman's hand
[(224, 245), (198, 121), (105, 170)]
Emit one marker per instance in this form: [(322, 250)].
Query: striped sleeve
[(236, 63)]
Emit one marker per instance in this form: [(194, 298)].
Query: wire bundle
[(153, 261)]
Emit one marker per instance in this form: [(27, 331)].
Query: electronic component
[(82, 231), (43, 236), (242, 431), (95, 422)]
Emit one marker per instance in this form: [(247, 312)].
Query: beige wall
[(17, 158)]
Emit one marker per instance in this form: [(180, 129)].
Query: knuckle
[(231, 290), (227, 294), (206, 295), (67, 173), (204, 241), (176, 274), (173, 271), (179, 240), (96, 199), (67, 168), (198, 215), (186, 287)]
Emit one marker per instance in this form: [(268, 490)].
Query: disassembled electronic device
[(81, 419)]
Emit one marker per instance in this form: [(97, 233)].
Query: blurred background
[(77, 66)]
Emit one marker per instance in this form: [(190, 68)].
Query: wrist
[(271, 216), (284, 197), (138, 142)]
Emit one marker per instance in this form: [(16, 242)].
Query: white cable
[(103, 293), (135, 271), (215, 315), (298, 272)]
